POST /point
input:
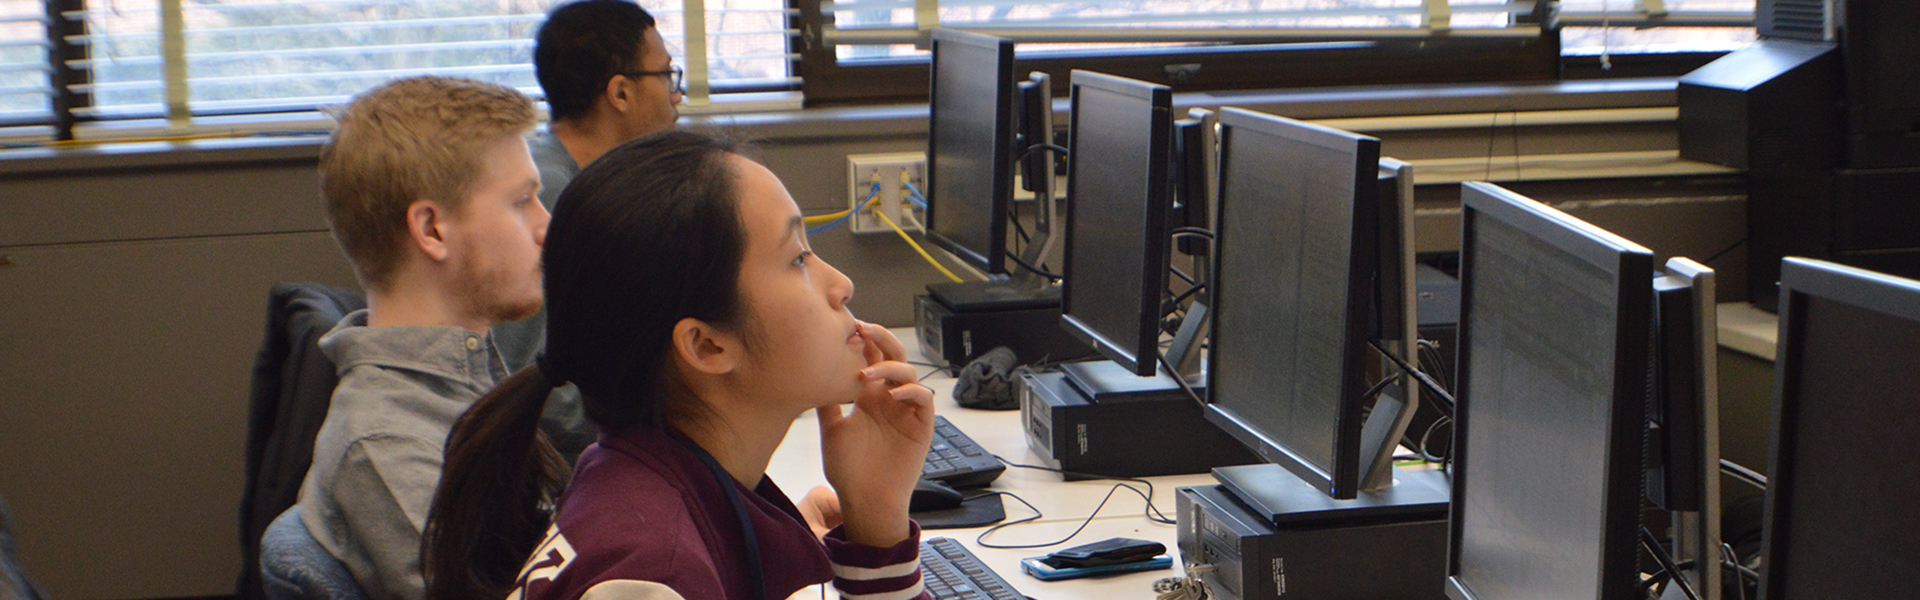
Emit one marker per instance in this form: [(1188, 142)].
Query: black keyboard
[(958, 461), (949, 570)]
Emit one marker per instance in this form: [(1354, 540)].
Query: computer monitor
[(1683, 436), (1117, 211), (1311, 270), (1840, 521), (969, 147), (1195, 172), (1555, 336)]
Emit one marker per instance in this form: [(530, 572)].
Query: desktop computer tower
[(1158, 432), (1251, 559), (957, 323)]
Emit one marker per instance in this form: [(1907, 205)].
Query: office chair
[(292, 388), (294, 566)]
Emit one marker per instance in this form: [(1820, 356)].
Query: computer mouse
[(933, 495)]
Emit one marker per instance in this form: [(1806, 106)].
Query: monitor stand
[(1276, 494), (1104, 381)]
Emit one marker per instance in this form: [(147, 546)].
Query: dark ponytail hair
[(646, 235)]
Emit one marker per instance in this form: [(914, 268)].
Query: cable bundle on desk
[(1153, 513)]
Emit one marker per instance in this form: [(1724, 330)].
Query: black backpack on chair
[(292, 388)]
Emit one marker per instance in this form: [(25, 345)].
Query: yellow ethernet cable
[(916, 247), (818, 220)]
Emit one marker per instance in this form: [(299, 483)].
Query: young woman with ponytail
[(684, 302)]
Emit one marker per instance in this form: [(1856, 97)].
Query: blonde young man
[(431, 192)]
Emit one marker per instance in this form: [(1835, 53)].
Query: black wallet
[(1116, 551)]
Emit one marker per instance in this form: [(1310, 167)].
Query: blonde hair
[(410, 139)]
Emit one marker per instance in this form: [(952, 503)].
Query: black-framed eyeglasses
[(676, 76)]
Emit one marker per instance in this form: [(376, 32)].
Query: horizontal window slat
[(1153, 20), (1672, 19), (785, 55), (306, 4), (290, 5), (25, 68), (323, 27), (379, 74), (24, 90), (381, 50), (131, 59), (144, 60), (371, 74)]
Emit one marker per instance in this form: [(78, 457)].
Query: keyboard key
[(956, 460)]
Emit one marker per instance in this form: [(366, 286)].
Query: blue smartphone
[(1040, 570)]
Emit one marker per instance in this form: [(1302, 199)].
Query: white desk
[(796, 467), (1747, 329)]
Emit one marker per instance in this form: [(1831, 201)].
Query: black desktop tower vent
[(1803, 20)]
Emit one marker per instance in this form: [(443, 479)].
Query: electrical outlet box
[(894, 172)]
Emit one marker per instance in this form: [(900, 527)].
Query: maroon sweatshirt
[(646, 518)]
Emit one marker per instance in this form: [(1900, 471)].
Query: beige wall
[(134, 285)]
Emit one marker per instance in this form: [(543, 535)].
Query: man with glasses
[(608, 80)]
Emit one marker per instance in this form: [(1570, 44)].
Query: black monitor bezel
[(1632, 267), (1800, 280), (993, 258), (1143, 358), (1344, 479)]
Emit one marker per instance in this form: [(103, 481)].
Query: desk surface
[(796, 467), (1748, 329)]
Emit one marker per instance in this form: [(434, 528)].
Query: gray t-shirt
[(564, 419), (377, 458)]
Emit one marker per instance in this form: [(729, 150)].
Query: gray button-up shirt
[(377, 458)]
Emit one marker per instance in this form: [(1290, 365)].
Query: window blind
[(1639, 26), (257, 56), (871, 23), (25, 87)]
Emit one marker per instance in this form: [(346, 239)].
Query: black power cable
[(1743, 474), (1666, 562), (1426, 381), (1153, 512), (1036, 270)]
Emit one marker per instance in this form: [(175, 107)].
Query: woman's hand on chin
[(873, 454)]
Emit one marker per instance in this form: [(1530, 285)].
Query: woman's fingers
[(878, 337), (892, 372)]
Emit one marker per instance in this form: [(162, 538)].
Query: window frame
[(825, 82)]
